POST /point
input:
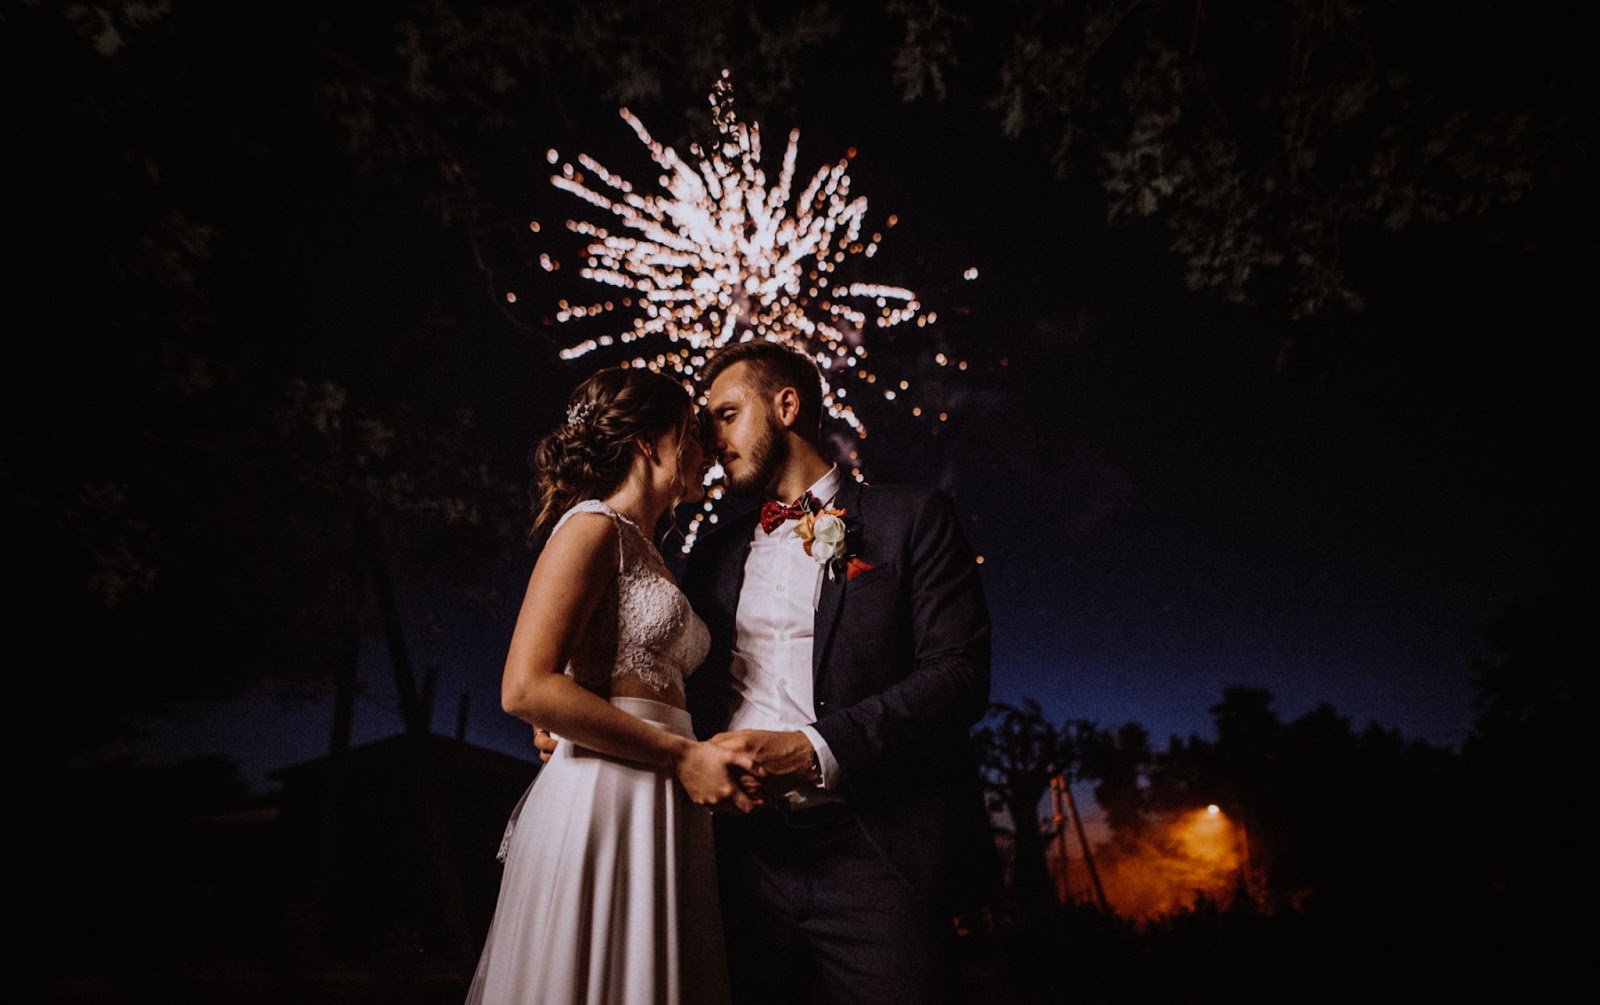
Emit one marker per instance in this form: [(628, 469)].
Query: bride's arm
[(568, 580)]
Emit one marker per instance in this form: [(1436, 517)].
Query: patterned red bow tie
[(773, 514)]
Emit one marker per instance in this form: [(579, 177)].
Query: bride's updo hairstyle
[(589, 455)]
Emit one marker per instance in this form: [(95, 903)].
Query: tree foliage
[(1019, 752), (1275, 140), (203, 185), (1337, 820), (1120, 763), (1528, 753)]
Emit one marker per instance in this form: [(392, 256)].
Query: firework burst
[(718, 256)]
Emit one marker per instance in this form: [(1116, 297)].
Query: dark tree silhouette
[(1529, 758), (1276, 141), (1020, 751), (1338, 822), (1120, 763)]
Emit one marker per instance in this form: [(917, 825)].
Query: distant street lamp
[(1246, 878)]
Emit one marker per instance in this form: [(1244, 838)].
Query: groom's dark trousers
[(859, 897)]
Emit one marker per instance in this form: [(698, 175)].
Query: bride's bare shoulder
[(584, 538)]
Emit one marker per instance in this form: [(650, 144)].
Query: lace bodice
[(643, 626)]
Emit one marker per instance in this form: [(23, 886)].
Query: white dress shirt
[(772, 643)]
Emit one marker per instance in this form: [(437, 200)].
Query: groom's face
[(743, 432)]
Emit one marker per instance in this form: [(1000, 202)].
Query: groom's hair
[(772, 368)]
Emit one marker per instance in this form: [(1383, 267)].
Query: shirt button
[(781, 587), (783, 637)]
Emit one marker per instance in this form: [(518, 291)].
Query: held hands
[(721, 779), (726, 780), (785, 759)]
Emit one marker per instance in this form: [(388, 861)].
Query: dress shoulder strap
[(617, 519)]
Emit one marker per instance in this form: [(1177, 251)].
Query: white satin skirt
[(609, 894)]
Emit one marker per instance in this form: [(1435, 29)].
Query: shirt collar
[(826, 487)]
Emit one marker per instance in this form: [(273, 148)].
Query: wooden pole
[(1088, 856), (1057, 784)]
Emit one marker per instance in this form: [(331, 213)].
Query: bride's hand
[(544, 743), (711, 775)]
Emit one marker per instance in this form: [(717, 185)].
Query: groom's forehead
[(732, 385)]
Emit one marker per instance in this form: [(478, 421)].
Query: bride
[(612, 897)]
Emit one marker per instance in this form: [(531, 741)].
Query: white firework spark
[(720, 257)]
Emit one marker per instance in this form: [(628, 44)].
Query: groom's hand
[(785, 757), (755, 794)]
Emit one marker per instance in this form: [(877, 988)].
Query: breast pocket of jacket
[(874, 578)]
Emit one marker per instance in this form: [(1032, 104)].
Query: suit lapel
[(730, 577), (830, 601)]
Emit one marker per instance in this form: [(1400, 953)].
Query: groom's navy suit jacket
[(900, 665)]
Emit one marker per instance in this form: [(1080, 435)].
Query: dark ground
[(1080, 957)]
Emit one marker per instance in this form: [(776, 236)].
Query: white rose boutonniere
[(823, 534)]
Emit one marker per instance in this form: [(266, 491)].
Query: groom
[(850, 655)]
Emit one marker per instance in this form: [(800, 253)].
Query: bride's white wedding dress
[(609, 894)]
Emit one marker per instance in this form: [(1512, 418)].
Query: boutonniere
[(827, 540)]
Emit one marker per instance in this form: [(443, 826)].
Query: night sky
[(1162, 509)]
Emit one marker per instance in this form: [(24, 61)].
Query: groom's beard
[(763, 460)]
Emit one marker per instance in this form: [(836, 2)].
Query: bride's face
[(689, 462)]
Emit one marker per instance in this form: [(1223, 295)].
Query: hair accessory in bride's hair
[(578, 414)]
